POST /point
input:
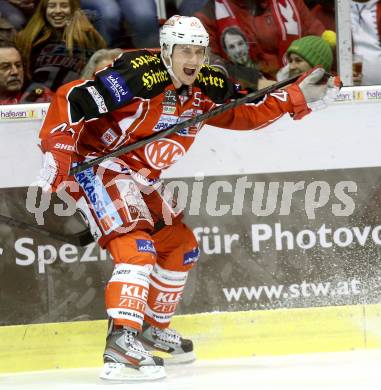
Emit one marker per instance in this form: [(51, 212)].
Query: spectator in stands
[(99, 60), (17, 12), (305, 53), (7, 31), (269, 27), (140, 15), (57, 42), (366, 34), (12, 80)]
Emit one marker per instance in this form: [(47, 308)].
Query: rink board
[(215, 335)]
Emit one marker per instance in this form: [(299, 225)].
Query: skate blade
[(121, 372), (181, 358)]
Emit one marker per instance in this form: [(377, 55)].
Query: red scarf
[(286, 17)]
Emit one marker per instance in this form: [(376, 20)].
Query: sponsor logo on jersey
[(169, 110), (163, 153), (210, 79), (151, 78), (192, 256), (144, 60), (117, 86), (169, 102), (170, 98), (60, 146), (165, 121), (190, 131), (100, 201), (135, 207), (145, 246), (98, 99), (108, 137)]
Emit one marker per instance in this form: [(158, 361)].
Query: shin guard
[(165, 292), (127, 294)]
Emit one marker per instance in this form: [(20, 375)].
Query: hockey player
[(153, 250)]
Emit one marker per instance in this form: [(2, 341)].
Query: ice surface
[(329, 371)]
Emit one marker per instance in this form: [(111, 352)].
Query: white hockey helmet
[(182, 30)]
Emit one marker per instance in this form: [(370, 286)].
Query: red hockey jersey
[(135, 98)]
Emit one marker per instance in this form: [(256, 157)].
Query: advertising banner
[(280, 240), (288, 216)]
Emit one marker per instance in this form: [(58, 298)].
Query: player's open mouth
[(189, 71)]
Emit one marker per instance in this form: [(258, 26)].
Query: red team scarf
[(286, 17)]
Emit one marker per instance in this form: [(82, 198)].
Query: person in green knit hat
[(305, 53)]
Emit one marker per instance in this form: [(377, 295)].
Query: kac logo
[(163, 153)]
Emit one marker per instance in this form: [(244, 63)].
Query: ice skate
[(166, 340), (125, 359)]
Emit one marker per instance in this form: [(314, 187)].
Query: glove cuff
[(299, 104)]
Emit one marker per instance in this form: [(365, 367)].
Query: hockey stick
[(190, 122), (82, 238)]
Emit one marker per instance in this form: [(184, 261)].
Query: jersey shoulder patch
[(138, 73), (214, 84)]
